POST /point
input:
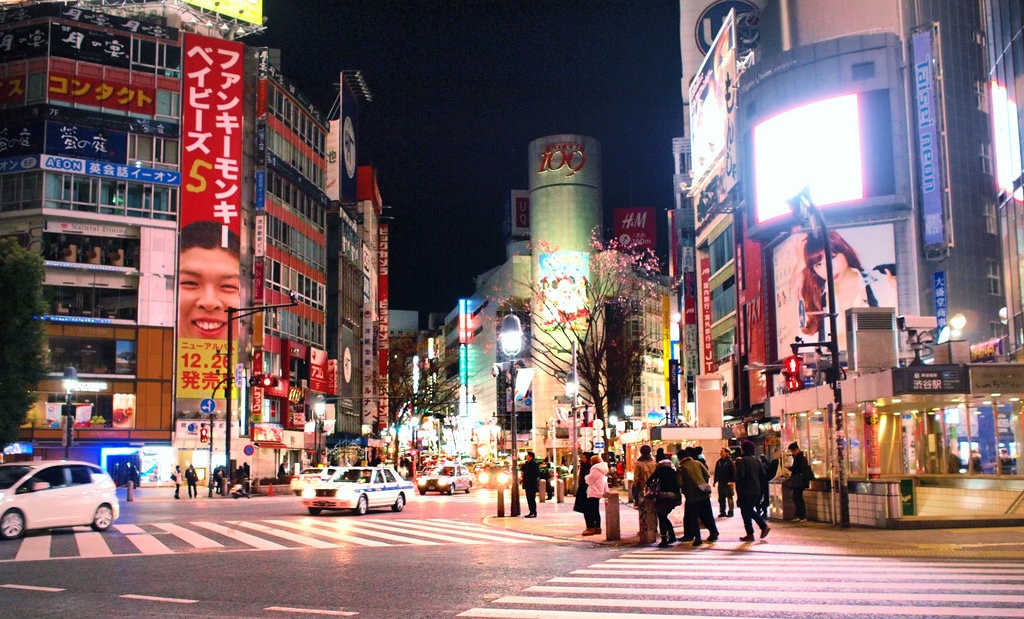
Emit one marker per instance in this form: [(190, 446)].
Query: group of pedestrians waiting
[(742, 480)]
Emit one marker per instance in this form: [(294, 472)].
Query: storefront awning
[(271, 445)]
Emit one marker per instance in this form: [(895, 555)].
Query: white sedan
[(358, 488), (307, 476), (53, 494)]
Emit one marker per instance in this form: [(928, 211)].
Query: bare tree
[(423, 393), (609, 353)]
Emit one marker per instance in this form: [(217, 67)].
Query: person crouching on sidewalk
[(597, 487)]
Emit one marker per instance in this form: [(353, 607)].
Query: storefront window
[(809, 430)]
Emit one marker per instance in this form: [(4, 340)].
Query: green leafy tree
[(21, 335)]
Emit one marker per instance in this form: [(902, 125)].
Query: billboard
[(209, 279), (712, 107), (562, 290), (928, 116), (864, 272), (840, 148), (245, 10), (635, 228)]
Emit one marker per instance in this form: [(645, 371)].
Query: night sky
[(461, 87)]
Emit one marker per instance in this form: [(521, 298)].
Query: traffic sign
[(208, 405), (598, 444)]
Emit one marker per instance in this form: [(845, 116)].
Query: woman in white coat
[(597, 487)]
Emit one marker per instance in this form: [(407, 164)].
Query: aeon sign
[(566, 159)]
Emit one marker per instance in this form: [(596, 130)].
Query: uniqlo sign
[(211, 132)]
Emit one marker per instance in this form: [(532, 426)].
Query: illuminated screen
[(840, 148), (1006, 128)]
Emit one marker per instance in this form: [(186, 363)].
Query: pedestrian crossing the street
[(697, 583), (162, 538)]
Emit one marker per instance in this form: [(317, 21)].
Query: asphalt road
[(450, 557)]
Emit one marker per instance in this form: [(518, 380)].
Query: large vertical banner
[(209, 222), (928, 112), (382, 323)]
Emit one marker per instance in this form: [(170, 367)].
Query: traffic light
[(793, 372), (204, 434), (268, 381)]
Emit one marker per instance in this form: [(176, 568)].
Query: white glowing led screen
[(1006, 129), (840, 148)]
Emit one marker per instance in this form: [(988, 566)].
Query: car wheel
[(451, 489), (314, 511), (469, 486), (103, 518), (362, 506), (399, 503), (12, 525), (423, 492)]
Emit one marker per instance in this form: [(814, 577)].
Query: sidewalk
[(560, 521)]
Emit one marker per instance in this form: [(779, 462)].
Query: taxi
[(447, 478), (358, 488)]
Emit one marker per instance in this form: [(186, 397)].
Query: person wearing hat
[(801, 475), (642, 471)]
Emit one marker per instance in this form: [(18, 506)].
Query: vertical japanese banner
[(382, 322), (211, 200)]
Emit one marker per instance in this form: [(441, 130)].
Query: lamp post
[(511, 340), (70, 383), (805, 210), (234, 313), (572, 391)]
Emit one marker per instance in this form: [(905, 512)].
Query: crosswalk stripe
[(803, 570), (91, 545), (513, 613), (245, 538), (371, 528), (491, 532), (288, 535), (146, 543), (188, 536), (871, 583), (431, 532), (319, 528), (34, 548), (463, 531)]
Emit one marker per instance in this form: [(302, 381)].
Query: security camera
[(294, 296), (916, 323)]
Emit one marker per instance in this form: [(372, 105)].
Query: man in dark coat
[(725, 475), (531, 475), (749, 477), (801, 471)]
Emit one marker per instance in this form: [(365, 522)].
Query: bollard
[(542, 490), (270, 490), (224, 487), (131, 491), (560, 491), (611, 517), (501, 502)]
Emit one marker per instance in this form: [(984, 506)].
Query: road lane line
[(765, 596), (154, 598), (643, 581), (188, 536), (144, 542), (288, 535), (312, 611), (514, 613), (245, 538), (34, 548), (32, 588), (91, 545)]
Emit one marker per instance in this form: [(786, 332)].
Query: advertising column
[(565, 209), (209, 278)]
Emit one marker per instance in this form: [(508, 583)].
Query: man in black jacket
[(531, 475), (725, 476), (749, 477), (801, 471)]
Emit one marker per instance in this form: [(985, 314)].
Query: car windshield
[(448, 471), (354, 476), (9, 475), (315, 472)]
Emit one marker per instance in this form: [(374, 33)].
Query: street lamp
[(572, 391), (511, 340), (805, 210), (70, 384), (319, 410), (234, 313)]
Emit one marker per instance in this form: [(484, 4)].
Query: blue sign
[(939, 292), (208, 405), (598, 444), (105, 169)]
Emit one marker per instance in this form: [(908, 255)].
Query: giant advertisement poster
[(864, 271), (208, 246)]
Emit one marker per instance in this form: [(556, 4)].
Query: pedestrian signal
[(204, 434), (793, 372)]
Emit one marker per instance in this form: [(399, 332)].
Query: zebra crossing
[(687, 583), (162, 538)]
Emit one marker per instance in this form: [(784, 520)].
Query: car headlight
[(422, 481), (503, 478), (308, 492), (484, 478)]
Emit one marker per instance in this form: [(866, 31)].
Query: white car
[(55, 493), (307, 476), (447, 478), (358, 488)]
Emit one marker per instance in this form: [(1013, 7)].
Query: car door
[(45, 508), (390, 486)]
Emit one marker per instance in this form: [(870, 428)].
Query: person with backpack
[(662, 489), (749, 477), (693, 481), (177, 479)]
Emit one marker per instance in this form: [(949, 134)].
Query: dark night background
[(460, 88)]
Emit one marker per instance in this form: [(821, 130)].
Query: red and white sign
[(317, 370), (636, 227)]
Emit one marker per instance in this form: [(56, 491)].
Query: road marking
[(34, 548), (288, 535), (245, 538), (490, 531), (432, 533), (312, 611), (144, 542), (324, 528), (91, 545), (188, 536), (367, 528), (153, 598), (32, 588)]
